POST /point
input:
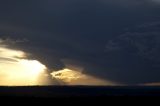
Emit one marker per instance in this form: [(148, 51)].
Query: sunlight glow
[(67, 75), (16, 70), (76, 77)]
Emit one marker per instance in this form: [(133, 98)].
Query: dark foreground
[(77, 91)]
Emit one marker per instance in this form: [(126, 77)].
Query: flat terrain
[(77, 91)]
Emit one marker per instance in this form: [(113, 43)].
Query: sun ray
[(17, 70)]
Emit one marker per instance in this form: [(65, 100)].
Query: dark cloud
[(136, 53), (108, 38)]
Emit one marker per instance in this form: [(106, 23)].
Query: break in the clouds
[(115, 40), (16, 69)]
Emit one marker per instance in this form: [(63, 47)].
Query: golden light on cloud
[(72, 77), (17, 70), (9, 53)]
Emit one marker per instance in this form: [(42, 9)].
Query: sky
[(107, 42)]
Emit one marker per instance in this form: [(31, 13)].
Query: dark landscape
[(78, 91)]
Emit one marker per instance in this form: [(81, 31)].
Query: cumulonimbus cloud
[(79, 30)]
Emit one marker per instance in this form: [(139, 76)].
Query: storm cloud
[(113, 40)]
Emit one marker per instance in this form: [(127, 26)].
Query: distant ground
[(78, 91)]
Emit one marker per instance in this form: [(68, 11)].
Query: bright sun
[(16, 70), (33, 67)]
